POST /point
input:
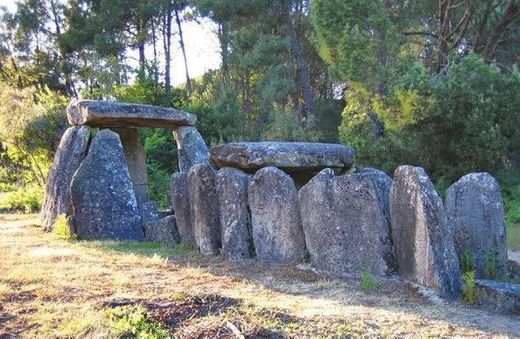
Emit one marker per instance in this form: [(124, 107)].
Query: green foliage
[(467, 262), (490, 265), (61, 228), (464, 121), (468, 287), (27, 199), (368, 282), (159, 185), (134, 322)]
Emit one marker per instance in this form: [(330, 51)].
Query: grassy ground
[(56, 288)]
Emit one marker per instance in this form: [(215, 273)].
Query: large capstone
[(136, 161), (288, 156), (103, 198), (423, 242), (191, 148), (476, 214), (346, 229), (71, 151), (181, 205), (204, 209), (117, 114), (275, 215), (162, 231), (234, 215)]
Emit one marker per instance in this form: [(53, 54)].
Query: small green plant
[(134, 322), (61, 228), (490, 265), (467, 262), (468, 289), (367, 280)]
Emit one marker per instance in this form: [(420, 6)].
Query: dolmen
[(98, 177), (282, 203)]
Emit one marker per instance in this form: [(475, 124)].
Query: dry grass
[(56, 288)]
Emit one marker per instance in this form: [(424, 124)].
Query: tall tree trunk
[(183, 49), (498, 33), (303, 73), (224, 51), (167, 34), (442, 40), (155, 63)]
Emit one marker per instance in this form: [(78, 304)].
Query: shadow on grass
[(146, 248)]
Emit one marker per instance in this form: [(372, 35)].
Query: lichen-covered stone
[(383, 183), (162, 231), (288, 156), (204, 209), (277, 229), (149, 211), (423, 242), (191, 148), (476, 213), (71, 151), (498, 296), (346, 229), (234, 215), (181, 206), (118, 114), (103, 198)]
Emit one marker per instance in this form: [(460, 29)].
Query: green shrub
[(467, 262), (133, 322), (453, 125), (490, 265), (61, 228), (27, 199), (367, 281), (468, 288)]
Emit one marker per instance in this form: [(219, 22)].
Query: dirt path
[(52, 288)]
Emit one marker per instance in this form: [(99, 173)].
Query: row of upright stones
[(344, 224)]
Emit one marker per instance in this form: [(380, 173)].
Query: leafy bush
[(134, 322), (159, 185), (367, 281), (468, 288), (61, 228), (452, 125), (27, 199)]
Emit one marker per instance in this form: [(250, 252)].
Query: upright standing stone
[(275, 215), (136, 161), (346, 229), (423, 242), (191, 148), (476, 214), (162, 231), (103, 197), (383, 184), (181, 206), (204, 209), (71, 151), (234, 215)]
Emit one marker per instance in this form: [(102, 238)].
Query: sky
[(201, 42)]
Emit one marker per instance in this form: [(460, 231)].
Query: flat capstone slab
[(116, 114), (287, 156)]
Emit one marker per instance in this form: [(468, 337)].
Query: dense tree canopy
[(392, 78)]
